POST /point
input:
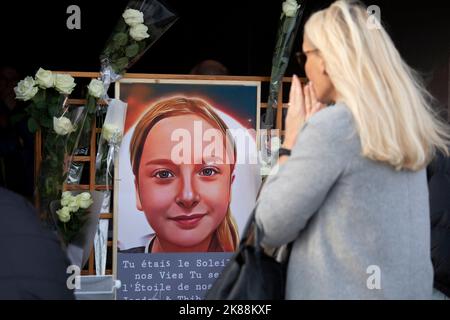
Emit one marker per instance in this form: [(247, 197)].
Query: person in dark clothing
[(33, 265), (210, 67), (16, 142), (439, 190)]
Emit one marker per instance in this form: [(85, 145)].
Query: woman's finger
[(307, 99), (317, 107), (300, 97), (313, 94), (295, 97), (292, 93)]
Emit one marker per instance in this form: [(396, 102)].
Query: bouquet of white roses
[(141, 25), (72, 214), (76, 218), (47, 111), (46, 93)]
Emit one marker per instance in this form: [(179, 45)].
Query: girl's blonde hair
[(391, 108), (226, 236)]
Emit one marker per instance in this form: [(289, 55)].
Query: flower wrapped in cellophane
[(72, 214), (142, 23), (59, 124), (109, 144), (75, 216), (292, 11), (108, 148)]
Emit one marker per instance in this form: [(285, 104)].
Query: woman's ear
[(323, 68), (138, 197)]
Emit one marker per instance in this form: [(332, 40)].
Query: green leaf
[(120, 38), (54, 101), (34, 112), (51, 139), (115, 68), (40, 104), (115, 56), (46, 122), (33, 126), (91, 104), (132, 50), (39, 97), (53, 110), (54, 162), (121, 63)]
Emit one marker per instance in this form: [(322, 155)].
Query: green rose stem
[(286, 34), (51, 171), (57, 152)]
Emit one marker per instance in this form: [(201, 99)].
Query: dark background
[(241, 34)]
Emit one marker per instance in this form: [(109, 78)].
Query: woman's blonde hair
[(391, 108), (226, 237)]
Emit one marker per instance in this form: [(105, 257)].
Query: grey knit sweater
[(361, 229)]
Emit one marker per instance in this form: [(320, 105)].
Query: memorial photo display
[(186, 181)]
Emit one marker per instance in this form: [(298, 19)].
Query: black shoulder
[(134, 250)]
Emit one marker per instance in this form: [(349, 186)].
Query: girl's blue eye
[(208, 172), (164, 174)]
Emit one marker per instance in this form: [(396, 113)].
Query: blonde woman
[(352, 194)]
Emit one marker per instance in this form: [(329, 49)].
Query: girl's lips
[(188, 221)]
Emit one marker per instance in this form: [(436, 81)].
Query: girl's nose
[(188, 197)]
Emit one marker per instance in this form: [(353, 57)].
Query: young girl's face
[(184, 202)]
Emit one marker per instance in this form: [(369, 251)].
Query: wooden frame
[(92, 150)]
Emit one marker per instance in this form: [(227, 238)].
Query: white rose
[(84, 200), (64, 83), (73, 205), (45, 79), (275, 143), (66, 194), (66, 198), (139, 32), (111, 133), (133, 17), (63, 214), (26, 89), (62, 126), (290, 8), (96, 88)]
